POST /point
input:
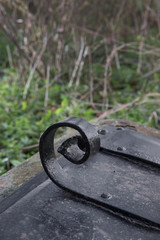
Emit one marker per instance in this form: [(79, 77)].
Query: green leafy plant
[(54, 68)]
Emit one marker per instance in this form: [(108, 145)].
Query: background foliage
[(94, 59)]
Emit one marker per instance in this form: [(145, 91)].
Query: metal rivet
[(103, 195), (102, 131), (108, 196), (121, 148)]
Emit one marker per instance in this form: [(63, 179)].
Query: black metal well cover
[(106, 186)]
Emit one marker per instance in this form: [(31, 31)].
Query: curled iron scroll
[(88, 141)]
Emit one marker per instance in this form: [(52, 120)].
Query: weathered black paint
[(112, 194)]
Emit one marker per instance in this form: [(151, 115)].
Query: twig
[(81, 66), (55, 79), (124, 106), (108, 62), (119, 108), (30, 147), (151, 72), (117, 60), (91, 77), (143, 30), (140, 56), (152, 95), (13, 39), (34, 67), (120, 12), (87, 93), (87, 30), (47, 88), (97, 46), (9, 56), (101, 105), (59, 54), (75, 40), (106, 80), (154, 115), (77, 62)]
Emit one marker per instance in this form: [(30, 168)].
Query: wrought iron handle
[(88, 142)]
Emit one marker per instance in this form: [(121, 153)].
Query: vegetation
[(96, 59)]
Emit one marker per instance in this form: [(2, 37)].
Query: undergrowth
[(23, 121), (89, 59)]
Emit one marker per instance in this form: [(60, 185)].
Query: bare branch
[(155, 117), (12, 37), (77, 62), (91, 77), (81, 66), (151, 72), (140, 56), (107, 65), (34, 67), (127, 105), (47, 88), (9, 56)]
